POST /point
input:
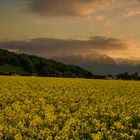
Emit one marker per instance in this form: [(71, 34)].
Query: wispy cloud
[(131, 12)]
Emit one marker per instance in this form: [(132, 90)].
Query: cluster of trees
[(34, 65), (127, 76), (122, 76)]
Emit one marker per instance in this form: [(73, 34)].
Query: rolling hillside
[(22, 64)]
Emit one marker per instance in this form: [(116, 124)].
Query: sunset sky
[(66, 27)]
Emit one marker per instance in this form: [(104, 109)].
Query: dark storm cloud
[(51, 47), (64, 7)]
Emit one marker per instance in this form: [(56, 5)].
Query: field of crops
[(61, 109)]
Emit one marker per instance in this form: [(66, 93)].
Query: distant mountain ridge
[(23, 64), (101, 64)]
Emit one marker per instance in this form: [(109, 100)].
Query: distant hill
[(23, 64)]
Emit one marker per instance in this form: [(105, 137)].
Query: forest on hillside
[(27, 65)]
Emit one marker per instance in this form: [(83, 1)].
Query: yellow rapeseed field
[(33, 108)]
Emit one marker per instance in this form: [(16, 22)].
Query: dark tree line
[(127, 76), (122, 76)]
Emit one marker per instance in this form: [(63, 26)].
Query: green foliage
[(63, 109), (127, 76)]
